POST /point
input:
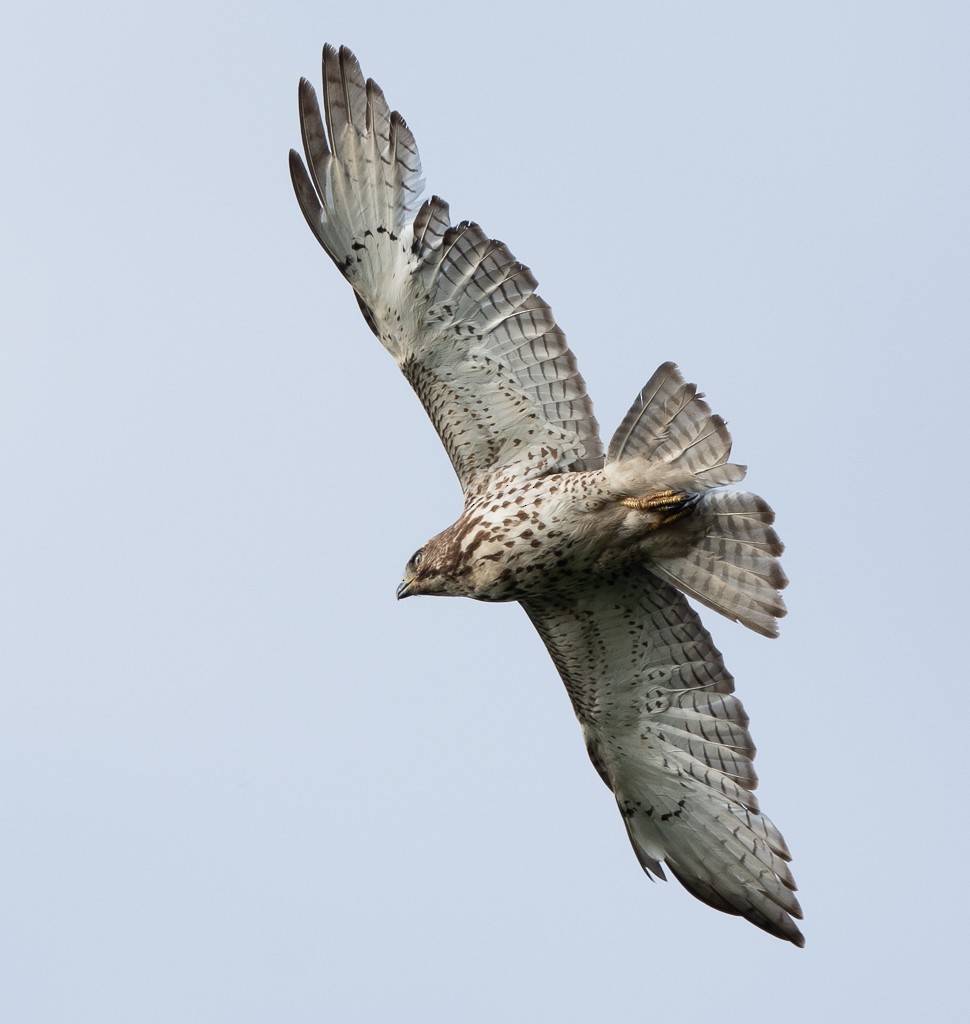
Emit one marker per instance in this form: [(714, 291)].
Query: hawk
[(598, 547)]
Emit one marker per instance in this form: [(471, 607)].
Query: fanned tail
[(731, 564), (717, 547), (670, 429)]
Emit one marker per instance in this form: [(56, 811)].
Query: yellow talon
[(659, 499), (672, 505)]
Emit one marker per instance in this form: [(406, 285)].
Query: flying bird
[(599, 547)]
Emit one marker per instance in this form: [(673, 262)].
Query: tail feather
[(670, 424), (732, 566), (724, 551)]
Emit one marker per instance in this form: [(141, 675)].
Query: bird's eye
[(416, 558)]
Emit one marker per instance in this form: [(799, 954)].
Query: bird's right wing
[(455, 309), (670, 739)]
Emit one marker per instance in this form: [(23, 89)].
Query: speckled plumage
[(599, 548)]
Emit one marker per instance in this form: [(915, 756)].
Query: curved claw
[(669, 505)]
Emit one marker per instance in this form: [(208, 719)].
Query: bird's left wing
[(670, 739), (455, 309)]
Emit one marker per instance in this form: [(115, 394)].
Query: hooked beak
[(404, 590)]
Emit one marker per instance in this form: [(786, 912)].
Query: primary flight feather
[(599, 548)]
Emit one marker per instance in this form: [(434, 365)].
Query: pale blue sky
[(238, 781)]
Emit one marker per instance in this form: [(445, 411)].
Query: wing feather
[(670, 739), (457, 311)]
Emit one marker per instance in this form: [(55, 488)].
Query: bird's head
[(429, 571), (460, 562)]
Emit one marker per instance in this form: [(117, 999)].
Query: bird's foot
[(668, 506)]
